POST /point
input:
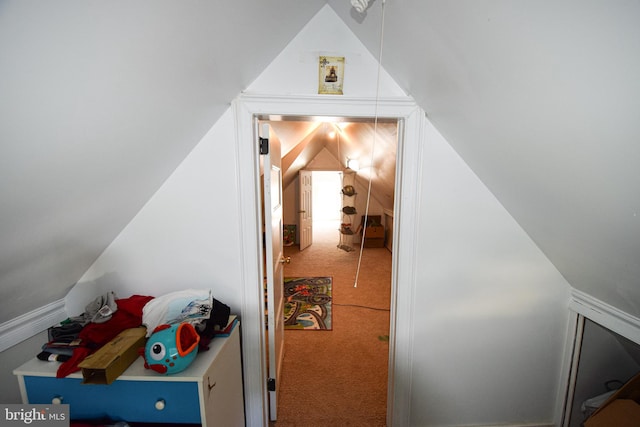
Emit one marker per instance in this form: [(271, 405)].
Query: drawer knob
[(57, 400), (160, 404)]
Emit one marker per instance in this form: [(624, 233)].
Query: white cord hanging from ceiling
[(375, 128)]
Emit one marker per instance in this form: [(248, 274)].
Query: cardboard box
[(374, 232), (113, 358), (374, 243), (622, 409)]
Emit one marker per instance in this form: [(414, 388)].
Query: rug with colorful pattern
[(307, 303)]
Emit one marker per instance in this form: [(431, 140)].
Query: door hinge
[(271, 384), (264, 145)]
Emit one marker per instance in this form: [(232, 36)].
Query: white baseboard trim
[(29, 324), (606, 315), (508, 425)]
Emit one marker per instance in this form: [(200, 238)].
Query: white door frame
[(406, 209)]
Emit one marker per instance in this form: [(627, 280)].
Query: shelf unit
[(349, 212)]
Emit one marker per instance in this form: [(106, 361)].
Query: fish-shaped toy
[(171, 348)]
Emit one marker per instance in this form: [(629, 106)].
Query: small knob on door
[(286, 260)]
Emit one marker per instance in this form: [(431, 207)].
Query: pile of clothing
[(74, 339)]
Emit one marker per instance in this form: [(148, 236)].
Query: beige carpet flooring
[(339, 377)]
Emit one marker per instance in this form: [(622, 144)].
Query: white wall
[(290, 206), (489, 317), (184, 237)]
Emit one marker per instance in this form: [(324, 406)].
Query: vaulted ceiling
[(542, 100), (100, 101), (372, 142)]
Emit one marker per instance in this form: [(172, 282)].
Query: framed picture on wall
[(331, 73)]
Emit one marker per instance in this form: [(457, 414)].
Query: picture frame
[(331, 75)]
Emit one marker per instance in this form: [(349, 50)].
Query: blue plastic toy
[(171, 348)]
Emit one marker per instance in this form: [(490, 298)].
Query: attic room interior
[(332, 144), (318, 169), (130, 164)]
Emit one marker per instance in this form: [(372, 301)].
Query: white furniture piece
[(209, 392)]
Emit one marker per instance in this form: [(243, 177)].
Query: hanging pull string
[(373, 147), (341, 173)]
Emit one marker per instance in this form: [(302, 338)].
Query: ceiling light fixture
[(353, 164), (360, 5), (329, 130)]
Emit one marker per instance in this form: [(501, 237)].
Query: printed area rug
[(307, 303)]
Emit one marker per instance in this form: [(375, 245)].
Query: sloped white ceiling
[(100, 101), (542, 100), (372, 142)]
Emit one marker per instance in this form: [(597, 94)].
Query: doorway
[(353, 355), (404, 259), (326, 205)]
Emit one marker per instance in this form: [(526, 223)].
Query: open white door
[(274, 264), (305, 220)]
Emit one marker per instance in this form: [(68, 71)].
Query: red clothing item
[(95, 335)]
